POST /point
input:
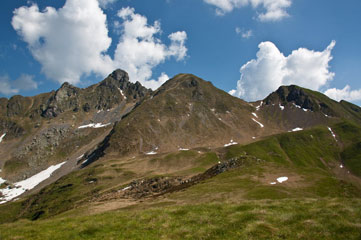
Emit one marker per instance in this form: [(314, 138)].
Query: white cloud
[(106, 3), (154, 84), (247, 34), (139, 50), (23, 83), (344, 94), (244, 33), (271, 69), (68, 42), (274, 9), (72, 41)]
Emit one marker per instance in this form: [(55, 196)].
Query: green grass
[(65, 194), (352, 158), (306, 157), (268, 219)]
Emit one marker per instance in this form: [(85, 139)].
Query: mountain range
[(118, 146)]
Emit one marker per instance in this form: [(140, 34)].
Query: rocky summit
[(119, 152)]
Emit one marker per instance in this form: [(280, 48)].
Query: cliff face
[(43, 130)]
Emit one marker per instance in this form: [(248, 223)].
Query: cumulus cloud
[(67, 42), (274, 10), (271, 69), (139, 50), (344, 94), (23, 83), (73, 41)]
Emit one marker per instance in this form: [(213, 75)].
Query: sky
[(246, 47)]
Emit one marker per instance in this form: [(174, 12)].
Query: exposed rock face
[(65, 98), (43, 129), (11, 128), (298, 96), (113, 90)]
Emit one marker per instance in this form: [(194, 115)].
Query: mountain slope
[(294, 107), (186, 143), (44, 129)]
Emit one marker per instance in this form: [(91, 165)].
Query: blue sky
[(315, 44)]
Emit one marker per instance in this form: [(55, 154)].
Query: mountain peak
[(120, 75)]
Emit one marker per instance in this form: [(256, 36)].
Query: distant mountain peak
[(120, 75)]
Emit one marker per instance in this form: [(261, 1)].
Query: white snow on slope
[(333, 134), (27, 184), (183, 149), (254, 114), (282, 179), (126, 188), (296, 129), (94, 125), (121, 92), (258, 122), (259, 106), (281, 107), (151, 153), (272, 183), (80, 157), (2, 137), (296, 105), (2, 180), (230, 143), (304, 109)]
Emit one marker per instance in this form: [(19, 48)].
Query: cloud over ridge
[(73, 41), (272, 69)]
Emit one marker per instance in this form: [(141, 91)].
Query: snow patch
[(281, 107), (213, 110), (282, 179), (230, 143), (126, 188), (333, 134), (80, 157), (2, 137), (183, 149), (85, 161), (151, 153), (94, 125), (304, 109), (254, 114), (220, 119), (27, 184), (272, 183), (2, 180), (259, 106), (258, 122), (253, 137), (121, 92), (341, 166), (296, 105), (296, 129)]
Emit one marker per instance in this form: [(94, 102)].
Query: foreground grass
[(259, 219)]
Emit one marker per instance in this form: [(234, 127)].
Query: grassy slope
[(313, 203), (265, 219)]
